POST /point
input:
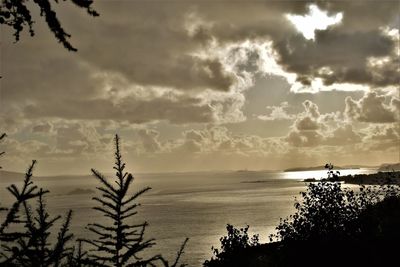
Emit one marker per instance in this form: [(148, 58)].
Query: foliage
[(16, 14), (26, 237), (333, 176), (120, 242), (2, 136), (27, 192), (330, 212), (34, 248), (117, 244), (328, 219), (235, 241)]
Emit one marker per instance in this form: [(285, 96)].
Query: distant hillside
[(316, 168), (389, 167), (11, 177), (7, 176), (322, 167)]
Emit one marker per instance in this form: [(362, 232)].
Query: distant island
[(367, 179), (382, 167), (316, 168), (389, 167)]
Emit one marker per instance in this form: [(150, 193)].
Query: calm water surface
[(194, 205)]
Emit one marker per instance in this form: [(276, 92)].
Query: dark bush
[(232, 245)]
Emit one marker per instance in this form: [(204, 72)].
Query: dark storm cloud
[(346, 48), (343, 49), (149, 43), (343, 55), (170, 45)]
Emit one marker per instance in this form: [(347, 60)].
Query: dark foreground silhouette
[(28, 236), (331, 227)]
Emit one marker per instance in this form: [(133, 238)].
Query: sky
[(204, 85)]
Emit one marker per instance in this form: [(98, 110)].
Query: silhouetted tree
[(34, 247), (22, 195), (16, 14), (79, 257), (119, 243), (24, 237), (2, 136), (178, 257)]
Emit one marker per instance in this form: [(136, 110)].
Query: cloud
[(75, 139), (343, 135), (314, 20), (382, 137), (277, 113), (305, 128), (197, 78), (340, 54), (312, 129), (149, 140), (148, 47), (131, 109), (42, 128), (372, 108), (307, 124), (304, 138)]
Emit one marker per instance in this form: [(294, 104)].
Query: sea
[(197, 205)]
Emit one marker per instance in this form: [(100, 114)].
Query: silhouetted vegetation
[(118, 241), (328, 211), (379, 178), (332, 226), (16, 14), (24, 236), (329, 220), (2, 136), (373, 178), (26, 239), (333, 176), (235, 242)]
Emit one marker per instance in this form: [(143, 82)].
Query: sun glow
[(316, 19)]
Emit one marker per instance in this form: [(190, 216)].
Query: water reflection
[(318, 174)]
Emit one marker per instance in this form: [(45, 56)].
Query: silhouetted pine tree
[(24, 236), (1, 154), (120, 242), (2, 136), (34, 247), (27, 192), (79, 257)]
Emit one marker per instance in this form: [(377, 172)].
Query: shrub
[(330, 212), (231, 245)]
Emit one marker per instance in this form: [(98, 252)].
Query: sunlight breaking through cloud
[(316, 19)]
